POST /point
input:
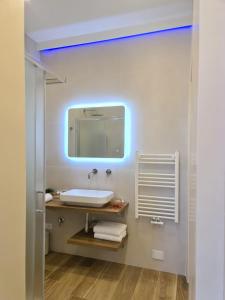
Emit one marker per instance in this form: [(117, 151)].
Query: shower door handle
[(39, 211)]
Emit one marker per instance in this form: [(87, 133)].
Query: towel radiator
[(157, 187)]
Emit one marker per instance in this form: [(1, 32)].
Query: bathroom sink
[(92, 198)]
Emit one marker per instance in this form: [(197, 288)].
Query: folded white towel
[(109, 237), (48, 197), (111, 228)]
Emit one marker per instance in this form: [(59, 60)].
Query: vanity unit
[(86, 237), (96, 133)]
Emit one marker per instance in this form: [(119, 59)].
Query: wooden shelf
[(87, 239), (108, 209)]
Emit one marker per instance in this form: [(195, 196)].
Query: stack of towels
[(110, 231)]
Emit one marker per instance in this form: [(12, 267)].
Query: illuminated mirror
[(96, 132)]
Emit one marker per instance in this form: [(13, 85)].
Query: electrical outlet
[(48, 226), (158, 254)]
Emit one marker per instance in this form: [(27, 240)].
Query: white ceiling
[(57, 23)]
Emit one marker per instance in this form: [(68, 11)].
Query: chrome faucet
[(94, 171), (108, 172)]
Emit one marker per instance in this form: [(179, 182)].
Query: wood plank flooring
[(78, 278)]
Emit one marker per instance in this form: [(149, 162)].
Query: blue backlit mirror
[(96, 132)]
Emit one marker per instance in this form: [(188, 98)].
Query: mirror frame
[(127, 133)]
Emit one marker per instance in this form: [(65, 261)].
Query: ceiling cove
[(53, 29)]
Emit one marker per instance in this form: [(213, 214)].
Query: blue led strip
[(188, 27), (127, 133), (127, 141)]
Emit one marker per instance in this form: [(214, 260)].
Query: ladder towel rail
[(157, 191)]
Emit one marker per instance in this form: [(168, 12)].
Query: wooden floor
[(75, 278)]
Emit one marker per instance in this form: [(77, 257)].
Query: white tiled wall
[(151, 74)]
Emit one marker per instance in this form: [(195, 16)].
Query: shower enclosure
[(35, 157)]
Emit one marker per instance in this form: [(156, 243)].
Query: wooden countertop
[(108, 209)]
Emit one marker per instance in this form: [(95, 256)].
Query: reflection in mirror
[(96, 132)]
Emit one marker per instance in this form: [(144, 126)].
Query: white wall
[(31, 48), (12, 152), (192, 163), (210, 152), (151, 74)]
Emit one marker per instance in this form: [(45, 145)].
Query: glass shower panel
[(35, 102), (30, 159)]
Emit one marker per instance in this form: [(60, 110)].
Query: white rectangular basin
[(92, 198)]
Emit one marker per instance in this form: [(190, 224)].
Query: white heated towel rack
[(157, 187)]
